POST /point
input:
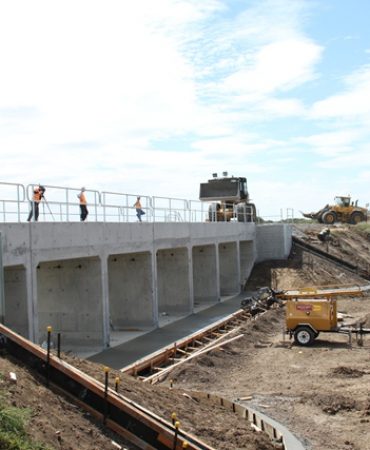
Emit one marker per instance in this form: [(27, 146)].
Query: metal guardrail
[(61, 204)]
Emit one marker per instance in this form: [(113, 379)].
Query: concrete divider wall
[(86, 279)]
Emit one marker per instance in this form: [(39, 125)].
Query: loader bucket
[(316, 215), (309, 215)]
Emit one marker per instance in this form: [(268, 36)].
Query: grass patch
[(13, 435), (364, 227)]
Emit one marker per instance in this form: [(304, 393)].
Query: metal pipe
[(48, 355)]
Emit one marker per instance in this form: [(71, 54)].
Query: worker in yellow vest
[(83, 205)]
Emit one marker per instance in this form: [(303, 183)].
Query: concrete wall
[(273, 241), (173, 288), (83, 278), (229, 268), (69, 298), (247, 258), (131, 296), (16, 306), (206, 284)]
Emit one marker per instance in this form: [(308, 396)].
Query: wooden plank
[(143, 363), (156, 377)]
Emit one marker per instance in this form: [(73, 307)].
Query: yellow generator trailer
[(305, 318), (310, 311)]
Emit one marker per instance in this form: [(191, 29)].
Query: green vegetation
[(364, 227), (13, 435)]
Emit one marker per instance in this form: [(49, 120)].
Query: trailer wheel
[(304, 335)]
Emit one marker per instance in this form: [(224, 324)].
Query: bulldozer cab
[(342, 201), (227, 189)]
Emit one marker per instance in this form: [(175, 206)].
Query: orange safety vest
[(36, 195), (82, 199)]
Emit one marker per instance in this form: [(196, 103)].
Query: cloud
[(351, 104), (291, 62), (152, 97)]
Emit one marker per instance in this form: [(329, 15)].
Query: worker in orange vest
[(38, 193), (139, 211), (83, 205)]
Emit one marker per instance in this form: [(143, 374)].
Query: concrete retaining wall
[(86, 279), (273, 242)]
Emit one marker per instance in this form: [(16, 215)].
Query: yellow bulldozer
[(229, 197), (344, 210)]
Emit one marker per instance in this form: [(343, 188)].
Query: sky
[(152, 97)]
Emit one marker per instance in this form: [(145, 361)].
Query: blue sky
[(152, 97)]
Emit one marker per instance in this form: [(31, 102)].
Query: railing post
[(67, 205), (103, 205), (153, 206), (96, 204), (18, 204)]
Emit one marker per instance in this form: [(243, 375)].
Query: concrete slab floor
[(130, 351)]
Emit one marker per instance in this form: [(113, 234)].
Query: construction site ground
[(320, 393)]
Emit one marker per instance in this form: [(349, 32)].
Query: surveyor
[(83, 205), (38, 193)]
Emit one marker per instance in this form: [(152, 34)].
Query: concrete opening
[(70, 300), (247, 257), (205, 275), (173, 282), (229, 268), (130, 291), (15, 290)]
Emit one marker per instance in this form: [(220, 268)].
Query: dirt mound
[(350, 243), (55, 420), (332, 405), (347, 372)]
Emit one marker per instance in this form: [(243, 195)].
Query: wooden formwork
[(146, 429)]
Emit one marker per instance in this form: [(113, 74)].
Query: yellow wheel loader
[(344, 210)]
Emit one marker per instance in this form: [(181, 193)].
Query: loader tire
[(329, 217), (304, 335), (356, 217)]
